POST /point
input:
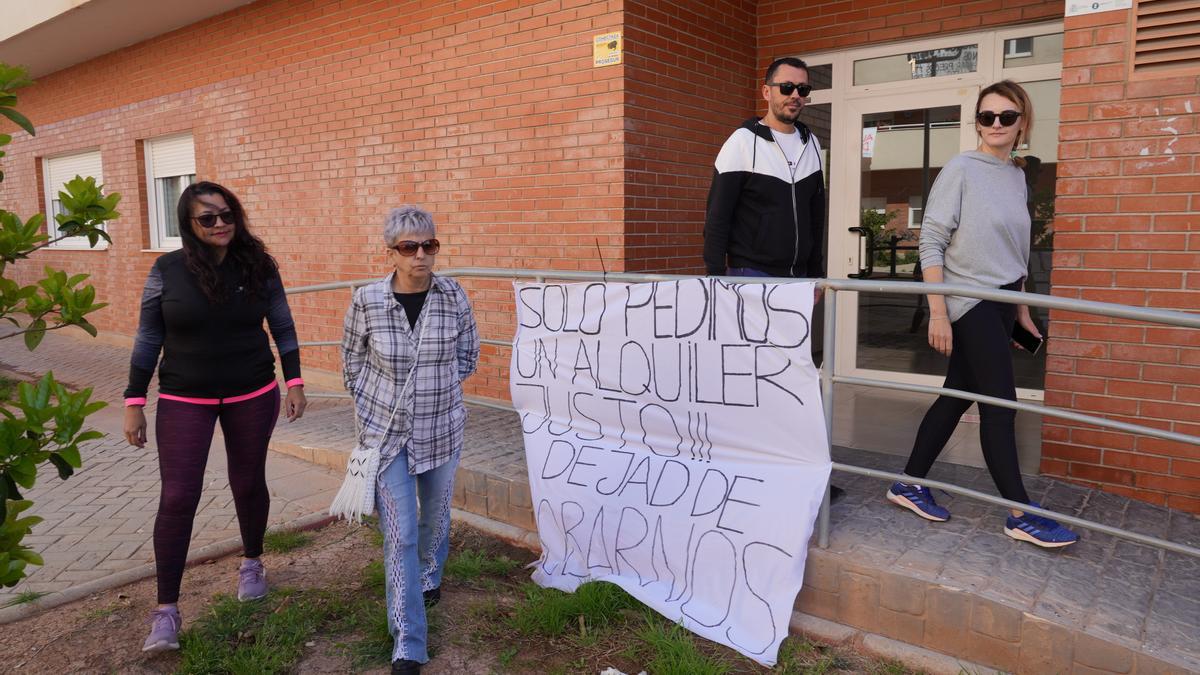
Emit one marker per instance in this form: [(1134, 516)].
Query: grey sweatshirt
[(976, 225)]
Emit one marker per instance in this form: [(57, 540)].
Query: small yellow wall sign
[(606, 50)]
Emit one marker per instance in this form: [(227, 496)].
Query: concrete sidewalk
[(99, 523)]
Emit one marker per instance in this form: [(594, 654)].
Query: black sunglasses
[(1007, 118), (409, 248), (786, 88), (209, 220)]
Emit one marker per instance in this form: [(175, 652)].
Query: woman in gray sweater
[(976, 232)]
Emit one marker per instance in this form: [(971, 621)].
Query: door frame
[(846, 247), (846, 141)]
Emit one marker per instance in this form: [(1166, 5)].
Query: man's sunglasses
[(209, 220), (786, 88), (409, 248), (1007, 118)]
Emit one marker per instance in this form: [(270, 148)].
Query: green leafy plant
[(877, 223), (45, 422)]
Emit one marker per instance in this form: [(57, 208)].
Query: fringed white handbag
[(356, 497)]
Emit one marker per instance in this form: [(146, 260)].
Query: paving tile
[(1146, 519), (1184, 529), (1014, 590), (1173, 608), (1117, 622)]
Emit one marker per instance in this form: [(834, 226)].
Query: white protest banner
[(676, 446)]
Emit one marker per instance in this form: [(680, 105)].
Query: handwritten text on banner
[(676, 446)]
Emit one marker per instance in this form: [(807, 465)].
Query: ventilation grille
[(1166, 36)]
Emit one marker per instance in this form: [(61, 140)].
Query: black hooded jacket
[(759, 214)]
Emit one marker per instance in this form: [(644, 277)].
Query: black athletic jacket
[(209, 351), (757, 215)]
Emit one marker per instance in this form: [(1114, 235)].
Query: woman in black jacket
[(203, 307)]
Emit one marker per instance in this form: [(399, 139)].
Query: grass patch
[(505, 658), (470, 564), (549, 612), (373, 578), (366, 619), (283, 541), (491, 620), (799, 655), (25, 598), (673, 650), (101, 612), (375, 644), (267, 636)]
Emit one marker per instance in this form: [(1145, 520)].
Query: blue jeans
[(414, 515)]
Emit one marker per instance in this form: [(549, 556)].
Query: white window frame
[(176, 158), (84, 163), (915, 223), (1010, 48)]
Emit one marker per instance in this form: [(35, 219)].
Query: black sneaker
[(405, 667), (432, 597)]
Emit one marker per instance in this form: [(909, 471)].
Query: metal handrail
[(828, 378)]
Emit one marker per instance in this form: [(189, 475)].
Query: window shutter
[(1166, 36), (173, 156), (59, 170)]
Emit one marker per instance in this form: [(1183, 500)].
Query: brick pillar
[(1126, 231)]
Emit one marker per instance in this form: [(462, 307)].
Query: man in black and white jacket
[(766, 206)]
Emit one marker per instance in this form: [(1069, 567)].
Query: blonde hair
[(1017, 94)]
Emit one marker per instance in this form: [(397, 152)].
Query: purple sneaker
[(164, 630), (252, 580)]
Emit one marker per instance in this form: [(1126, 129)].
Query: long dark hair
[(254, 265)]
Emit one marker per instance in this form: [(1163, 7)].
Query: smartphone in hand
[(1028, 341)]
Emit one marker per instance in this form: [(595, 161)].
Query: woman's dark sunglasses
[(1007, 118), (786, 88), (408, 248), (209, 220)]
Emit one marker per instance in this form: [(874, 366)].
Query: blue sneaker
[(919, 500), (1039, 531)]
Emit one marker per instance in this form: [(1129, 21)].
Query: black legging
[(981, 363), (184, 433)]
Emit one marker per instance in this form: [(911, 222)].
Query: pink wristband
[(295, 382), (135, 401)]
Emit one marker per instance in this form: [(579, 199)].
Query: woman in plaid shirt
[(409, 342)]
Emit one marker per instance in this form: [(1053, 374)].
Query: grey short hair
[(408, 219)]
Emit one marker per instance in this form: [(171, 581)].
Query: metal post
[(827, 358)]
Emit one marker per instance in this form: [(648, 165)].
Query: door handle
[(866, 249)]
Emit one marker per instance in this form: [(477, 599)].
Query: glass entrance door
[(902, 153), (902, 143)]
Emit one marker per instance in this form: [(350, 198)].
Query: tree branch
[(30, 330)]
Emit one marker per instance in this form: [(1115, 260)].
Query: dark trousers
[(184, 434), (981, 363)]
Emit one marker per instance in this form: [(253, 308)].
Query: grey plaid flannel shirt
[(377, 356)]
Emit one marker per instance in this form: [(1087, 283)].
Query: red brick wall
[(322, 115), (1127, 231), (689, 74)]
